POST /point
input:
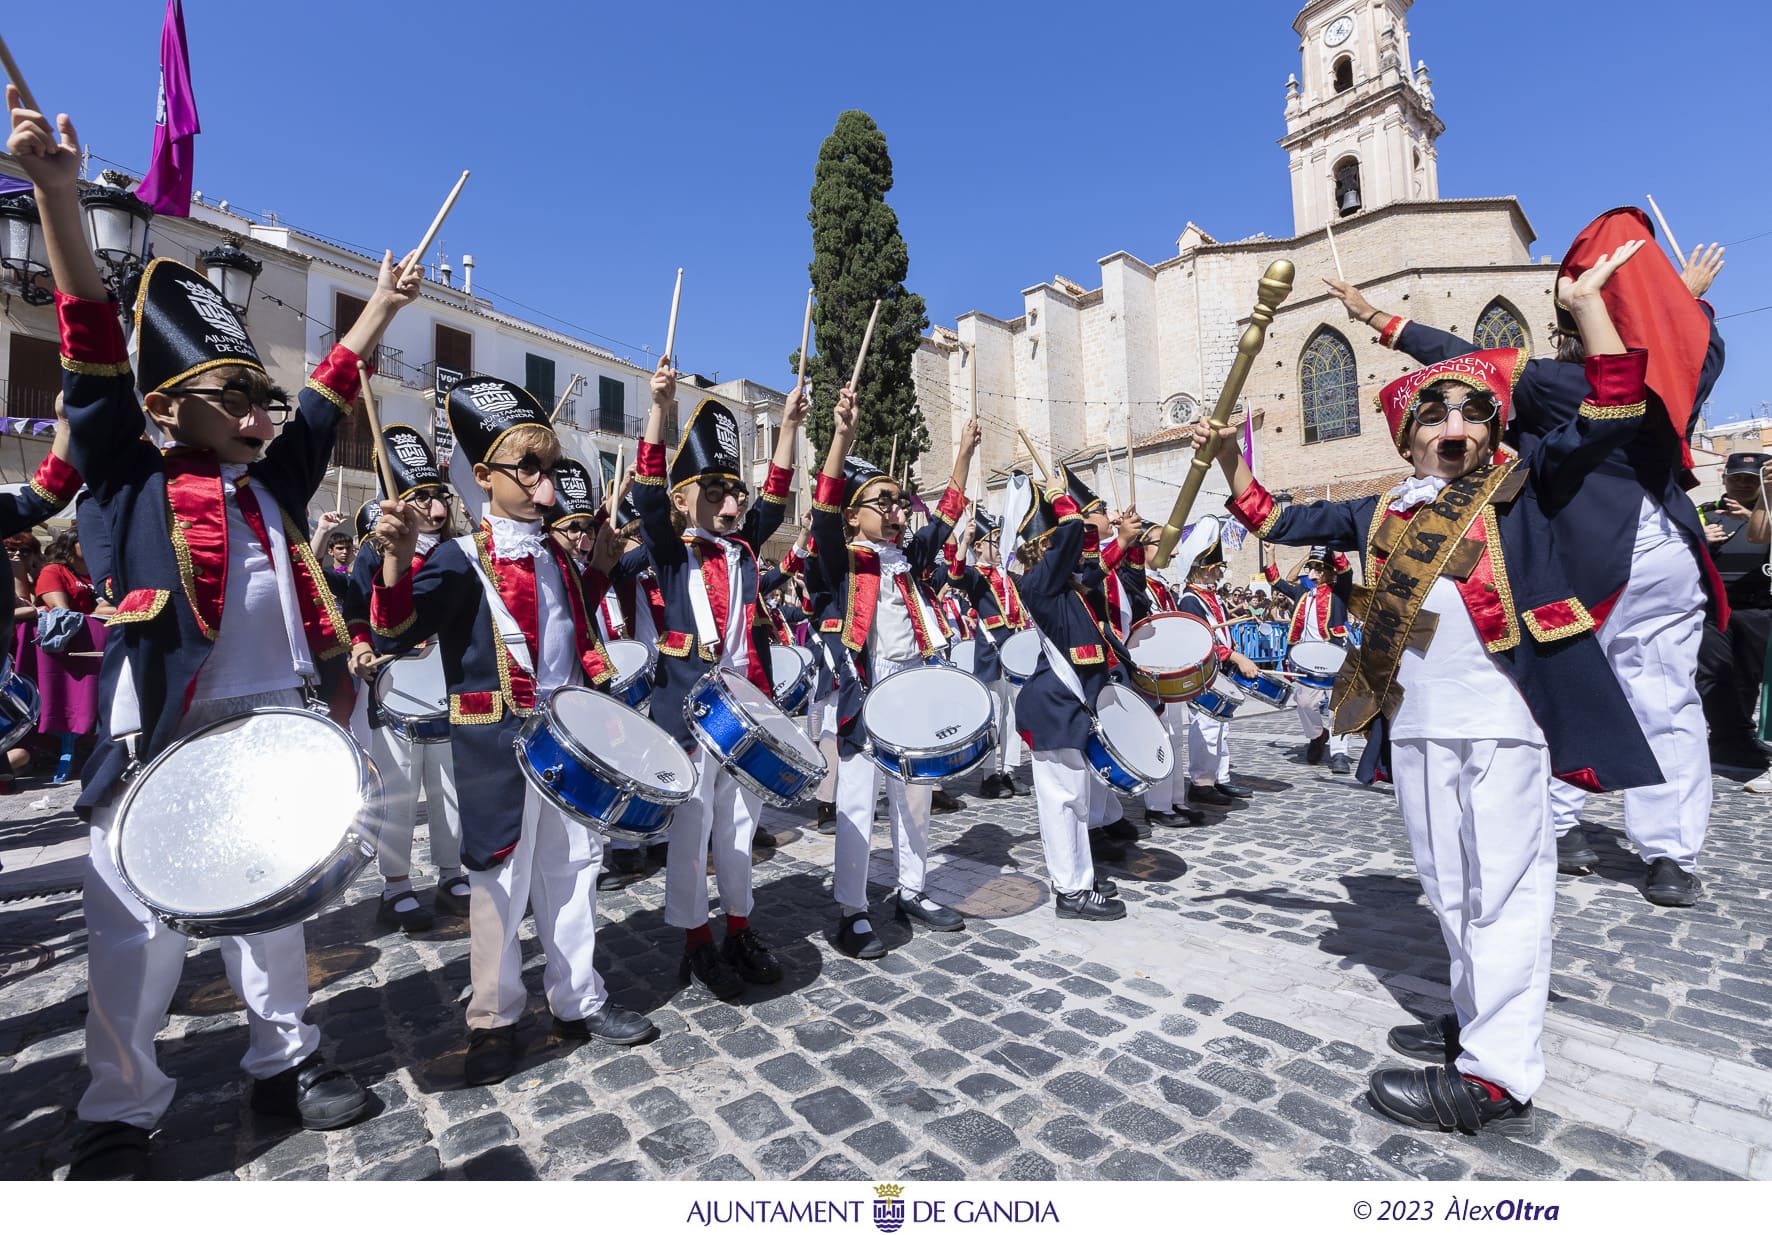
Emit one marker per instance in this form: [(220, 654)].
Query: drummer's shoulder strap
[(509, 631)]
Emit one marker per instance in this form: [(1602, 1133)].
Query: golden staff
[(1275, 286)]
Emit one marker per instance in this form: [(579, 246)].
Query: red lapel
[(199, 526)]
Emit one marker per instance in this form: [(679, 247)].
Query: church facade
[(1084, 371)]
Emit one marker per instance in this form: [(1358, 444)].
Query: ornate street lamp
[(231, 270), (21, 248), (116, 227)]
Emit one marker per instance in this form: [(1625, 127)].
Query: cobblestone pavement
[(1224, 1029)]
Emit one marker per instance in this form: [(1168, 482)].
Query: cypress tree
[(858, 256)]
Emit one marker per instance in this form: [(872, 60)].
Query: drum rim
[(1307, 644), (564, 737), (1119, 757), (352, 837), (787, 755), (423, 652), (912, 752)]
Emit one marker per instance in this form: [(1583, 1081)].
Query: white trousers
[(1009, 744), (1651, 641), (720, 818), (1313, 716), (907, 808), (554, 870), (1478, 817), (406, 768), (821, 731), (1063, 785), (1208, 748), (1171, 791), (133, 963)]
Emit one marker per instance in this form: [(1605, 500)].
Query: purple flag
[(170, 178), (9, 185)]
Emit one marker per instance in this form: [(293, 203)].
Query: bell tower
[(1360, 125)]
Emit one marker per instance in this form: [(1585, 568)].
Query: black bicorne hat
[(1040, 520), (858, 474), (1746, 463), (368, 515), (573, 492), (183, 327), (709, 448), (988, 525), (483, 409), (1211, 555), (1083, 495), (1318, 557), (410, 460), (626, 512)]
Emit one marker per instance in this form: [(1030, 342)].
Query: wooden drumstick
[(1667, 231), (1034, 456), (338, 493), (418, 254), (670, 351), (612, 498), (571, 385), (18, 79), (382, 469), (1113, 478), (867, 337), (1335, 252), (805, 339), (891, 467)]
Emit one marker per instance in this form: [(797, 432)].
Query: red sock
[(697, 936), (1496, 1092), (736, 923)]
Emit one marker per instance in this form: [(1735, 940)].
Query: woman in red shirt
[(64, 583)]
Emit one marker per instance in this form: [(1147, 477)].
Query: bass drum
[(252, 823)]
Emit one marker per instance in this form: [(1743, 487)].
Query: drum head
[(620, 739), (414, 685), (1317, 657), (787, 665), (1134, 731), (928, 708), (630, 658), (1169, 641), (239, 811), (781, 729), (964, 654), (1021, 653)]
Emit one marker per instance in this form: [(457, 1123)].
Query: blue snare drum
[(1266, 688), (1221, 699), (413, 698), (1128, 747), (632, 683), (1316, 663), (793, 673), (20, 708), (604, 764), (1020, 654), (927, 724), (751, 738)]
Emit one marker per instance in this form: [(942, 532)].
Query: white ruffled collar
[(1414, 491), (515, 538)]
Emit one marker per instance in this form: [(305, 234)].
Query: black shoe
[(1435, 1041), (1123, 829), (320, 1096), (609, 1023), (1671, 887), (1178, 817), (942, 802), (915, 907), (707, 966), (1091, 906), (492, 1055), (1574, 855), (746, 954), (1746, 754), (1208, 795), (1313, 750), (1234, 790), (763, 839), (451, 898), (1341, 765), (1102, 848), (1020, 790), (827, 818), (628, 861), (994, 787), (414, 919), (658, 851), (862, 945), (110, 1150), (1107, 887), (1444, 1101), (609, 880)]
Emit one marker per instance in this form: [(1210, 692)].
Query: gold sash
[(1389, 609)]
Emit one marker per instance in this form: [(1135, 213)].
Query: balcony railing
[(27, 402), (388, 363)]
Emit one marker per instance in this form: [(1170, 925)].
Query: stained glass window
[(1330, 384), (1498, 327)]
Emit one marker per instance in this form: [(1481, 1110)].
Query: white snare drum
[(1316, 663), (249, 824), (1128, 746), (751, 738), (1221, 699), (929, 723), (1020, 655), (413, 697), (1174, 656), (963, 655), (632, 683), (792, 675), (604, 764)]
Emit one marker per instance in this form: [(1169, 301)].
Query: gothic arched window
[(1499, 326), (1329, 382)]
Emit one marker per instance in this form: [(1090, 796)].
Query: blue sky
[(611, 144)]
